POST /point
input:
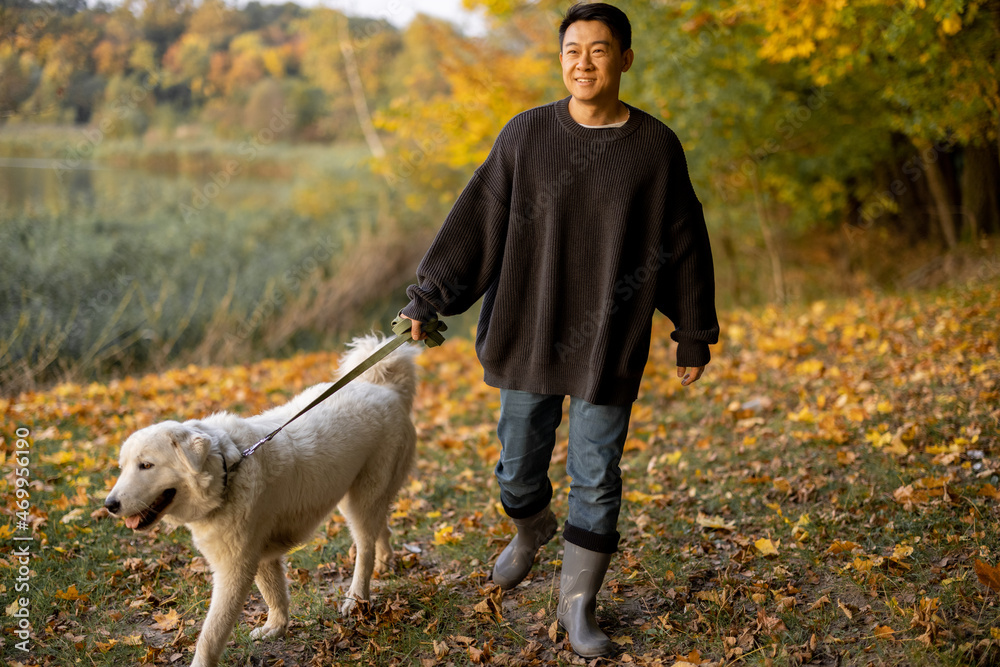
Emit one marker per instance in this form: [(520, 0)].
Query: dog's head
[(162, 474)]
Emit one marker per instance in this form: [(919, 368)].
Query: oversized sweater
[(573, 237)]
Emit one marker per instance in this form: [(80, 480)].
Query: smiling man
[(580, 225)]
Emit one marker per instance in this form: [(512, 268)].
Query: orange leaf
[(839, 547), (70, 594), (168, 621), (988, 575)]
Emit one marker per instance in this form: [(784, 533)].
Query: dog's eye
[(145, 466)]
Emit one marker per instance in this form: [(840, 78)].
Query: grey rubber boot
[(582, 577), (515, 561)]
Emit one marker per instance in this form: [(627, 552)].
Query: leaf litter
[(826, 494)]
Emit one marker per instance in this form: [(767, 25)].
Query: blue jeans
[(527, 431)]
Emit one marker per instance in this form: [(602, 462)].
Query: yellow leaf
[(901, 551), (884, 632), (715, 522), (672, 458), (640, 497), (766, 547), (446, 535)]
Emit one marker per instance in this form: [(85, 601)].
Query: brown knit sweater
[(573, 237)]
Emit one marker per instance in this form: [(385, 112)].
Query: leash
[(401, 327)]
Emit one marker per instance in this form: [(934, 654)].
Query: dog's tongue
[(133, 521)]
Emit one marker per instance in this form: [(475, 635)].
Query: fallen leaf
[(692, 659), (988, 575), (446, 535), (818, 604), (72, 515), (714, 522), (766, 547), (168, 621), (105, 647), (70, 594), (989, 491), (492, 605)]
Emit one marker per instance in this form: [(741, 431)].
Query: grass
[(162, 259), (138, 268), (824, 496)]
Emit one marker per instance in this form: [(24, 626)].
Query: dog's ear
[(192, 448)]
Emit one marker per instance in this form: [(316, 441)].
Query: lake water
[(47, 187)]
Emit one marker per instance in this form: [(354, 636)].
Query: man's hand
[(415, 332), (689, 375)]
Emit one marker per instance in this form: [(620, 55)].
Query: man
[(580, 224)]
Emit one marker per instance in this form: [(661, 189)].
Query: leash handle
[(401, 327), (433, 328)]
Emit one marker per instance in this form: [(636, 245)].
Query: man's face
[(592, 62)]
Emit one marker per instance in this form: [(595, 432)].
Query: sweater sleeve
[(465, 256), (686, 291)]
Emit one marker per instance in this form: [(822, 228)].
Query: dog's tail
[(397, 370)]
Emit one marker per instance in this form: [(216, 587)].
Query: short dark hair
[(611, 16)]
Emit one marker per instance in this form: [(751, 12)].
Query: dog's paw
[(268, 631), (349, 605), (383, 564)]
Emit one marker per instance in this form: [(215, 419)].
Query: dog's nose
[(112, 505)]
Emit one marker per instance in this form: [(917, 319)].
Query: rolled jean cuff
[(605, 544), (534, 508)]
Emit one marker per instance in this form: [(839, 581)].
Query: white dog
[(353, 450)]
